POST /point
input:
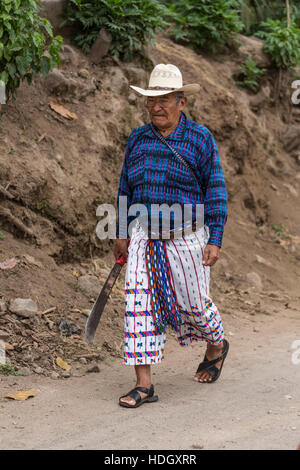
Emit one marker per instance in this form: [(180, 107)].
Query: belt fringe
[(165, 309)]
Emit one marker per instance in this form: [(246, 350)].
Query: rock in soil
[(93, 368), (25, 308)]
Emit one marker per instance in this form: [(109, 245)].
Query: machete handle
[(121, 260)]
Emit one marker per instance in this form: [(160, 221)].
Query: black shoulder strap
[(185, 163)]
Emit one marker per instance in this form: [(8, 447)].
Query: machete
[(98, 307)]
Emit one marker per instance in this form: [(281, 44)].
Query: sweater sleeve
[(216, 198), (124, 189)]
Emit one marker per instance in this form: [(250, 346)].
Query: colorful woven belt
[(164, 304)]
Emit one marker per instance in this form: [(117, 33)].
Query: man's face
[(164, 111)]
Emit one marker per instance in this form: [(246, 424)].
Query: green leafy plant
[(295, 74), (208, 24), (132, 23), (6, 369), (2, 236), (281, 42), (254, 12), (25, 39), (279, 230), (43, 205), (251, 75)]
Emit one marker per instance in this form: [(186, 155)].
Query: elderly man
[(171, 160)]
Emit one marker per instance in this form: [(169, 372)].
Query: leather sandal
[(209, 365), (134, 393)]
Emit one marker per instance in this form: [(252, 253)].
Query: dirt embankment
[(56, 171)]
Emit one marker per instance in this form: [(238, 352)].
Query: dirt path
[(254, 405)]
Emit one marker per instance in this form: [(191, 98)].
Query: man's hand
[(210, 255), (120, 248)]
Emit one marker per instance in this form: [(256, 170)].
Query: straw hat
[(166, 78)]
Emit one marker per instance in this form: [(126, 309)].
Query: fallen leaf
[(59, 109), (198, 446), (246, 224), (22, 395), (42, 137), (4, 335), (8, 347), (31, 260), (284, 243), (62, 364), (9, 263), (86, 312), (98, 264), (75, 273), (49, 310)]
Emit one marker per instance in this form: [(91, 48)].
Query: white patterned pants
[(201, 320)]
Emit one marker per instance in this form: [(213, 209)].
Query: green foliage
[(132, 23), (268, 20), (6, 369), (254, 12), (279, 230), (43, 205), (24, 39), (295, 74), (2, 236), (281, 42), (208, 24), (251, 75)]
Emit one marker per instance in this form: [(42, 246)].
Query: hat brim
[(187, 89)]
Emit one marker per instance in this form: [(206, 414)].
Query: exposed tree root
[(6, 193), (6, 213)]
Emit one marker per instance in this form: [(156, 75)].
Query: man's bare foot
[(212, 352), (130, 401), (143, 379)]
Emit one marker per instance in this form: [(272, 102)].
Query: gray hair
[(178, 96)]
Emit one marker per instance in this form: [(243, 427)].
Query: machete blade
[(98, 307)]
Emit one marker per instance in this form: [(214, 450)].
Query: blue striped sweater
[(151, 173)]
